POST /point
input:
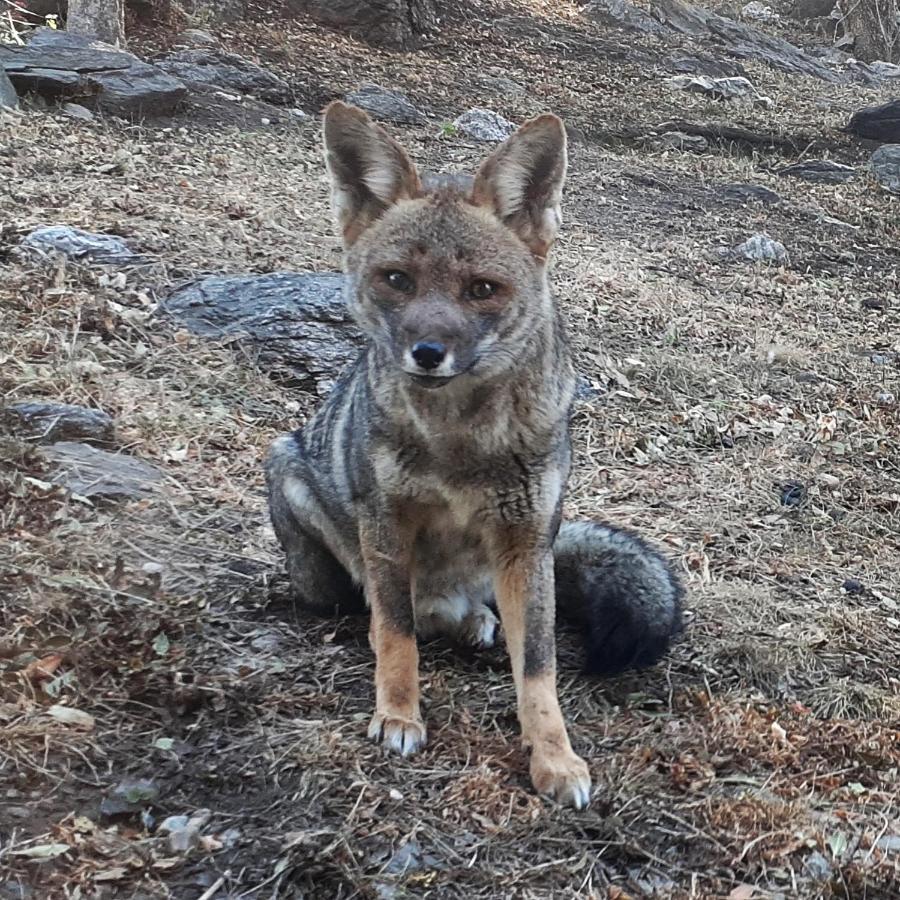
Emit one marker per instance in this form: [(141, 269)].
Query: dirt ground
[(761, 759)]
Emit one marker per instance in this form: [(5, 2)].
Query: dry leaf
[(742, 892), (117, 873), (41, 851), (70, 716), (42, 669)]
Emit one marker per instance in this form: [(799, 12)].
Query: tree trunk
[(875, 27), (394, 23), (103, 20)]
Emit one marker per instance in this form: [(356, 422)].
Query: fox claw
[(564, 778), (403, 736)]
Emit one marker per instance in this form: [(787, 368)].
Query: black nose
[(428, 355)]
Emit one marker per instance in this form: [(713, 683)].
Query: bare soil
[(760, 759)]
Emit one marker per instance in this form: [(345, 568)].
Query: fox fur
[(430, 482)]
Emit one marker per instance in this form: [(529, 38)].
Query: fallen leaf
[(838, 843), (70, 716), (117, 873), (41, 851), (742, 892), (167, 862), (42, 669), (161, 644)]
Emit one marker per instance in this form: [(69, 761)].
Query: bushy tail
[(620, 591)]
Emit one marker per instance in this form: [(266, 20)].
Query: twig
[(12, 29), (211, 890)]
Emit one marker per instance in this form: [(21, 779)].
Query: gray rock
[(732, 88), (823, 171), (184, 832), (885, 69), (812, 9), (484, 125), (499, 84), (173, 823), (761, 248), (889, 843), (196, 38), (886, 166), (705, 65), (58, 64), (389, 106), (755, 11), (220, 12), (585, 391), (202, 68), (9, 99), (77, 111), (45, 422), (129, 796), (817, 866), (877, 123), (78, 245), (85, 470), (744, 193), (738, 39), (623, 14), (677, 140), (297, 323)]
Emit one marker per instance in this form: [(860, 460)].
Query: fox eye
[(481, 290), (399, 281)]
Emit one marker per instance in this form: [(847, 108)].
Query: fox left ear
[(522, 182)]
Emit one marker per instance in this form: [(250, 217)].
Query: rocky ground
[(171, 727)]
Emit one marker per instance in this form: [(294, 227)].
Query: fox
[(428, 487)]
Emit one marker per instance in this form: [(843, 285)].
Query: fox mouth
[(430, 381)]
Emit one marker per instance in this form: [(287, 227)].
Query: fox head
[(447, 275)]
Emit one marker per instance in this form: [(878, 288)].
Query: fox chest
[(464, 491)]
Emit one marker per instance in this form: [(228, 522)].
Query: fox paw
[(563, 777), (398, 734), (478, 630)]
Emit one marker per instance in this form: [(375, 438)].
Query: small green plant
[(448, 129)]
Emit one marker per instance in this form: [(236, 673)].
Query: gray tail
[(620, 591)]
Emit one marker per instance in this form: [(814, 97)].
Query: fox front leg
[(525, 597), (397, 722)]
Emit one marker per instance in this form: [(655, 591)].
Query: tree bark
[(875, 27), (394, 23), (103, 20)]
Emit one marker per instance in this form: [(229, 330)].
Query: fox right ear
[(369, 170)]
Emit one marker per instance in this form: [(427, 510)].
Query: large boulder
[(9, 99), (78, 245), (57, 64), (388, 106), (877, 123), (738, 38), (210, 67), (99, 474), (886, 166), (45, 421), (822, 171), (298, 324), (623, 14), (219, 12), (393, 23)]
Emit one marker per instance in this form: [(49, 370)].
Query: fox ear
[(369, 170), (522, 181)]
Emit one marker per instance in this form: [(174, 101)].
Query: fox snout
[(434, 337)]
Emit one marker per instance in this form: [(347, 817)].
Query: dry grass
[(764, 751)]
